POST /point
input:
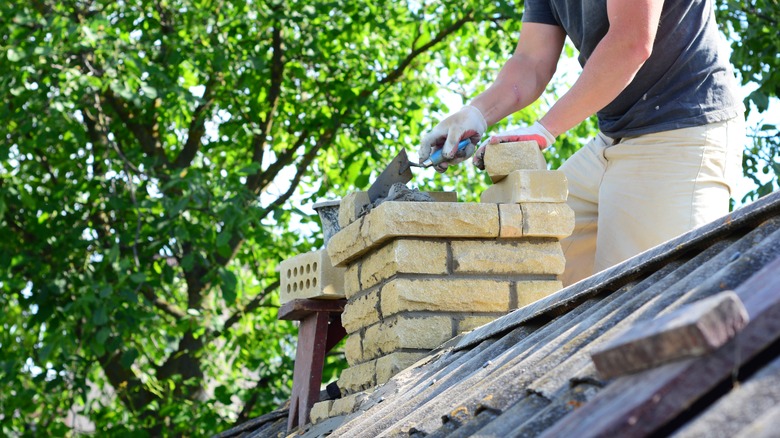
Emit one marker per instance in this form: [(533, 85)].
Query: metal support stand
[(320, 330)]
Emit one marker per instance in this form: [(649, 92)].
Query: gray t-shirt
[(687, 81)]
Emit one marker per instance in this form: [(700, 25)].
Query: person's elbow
[(627, 51), (639, 49)]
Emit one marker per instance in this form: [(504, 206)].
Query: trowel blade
[(397, 171)]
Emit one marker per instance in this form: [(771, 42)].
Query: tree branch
[(259, 388), (259, 180), (249, 308), (399, 70), (168, 308), (197, 125), (303, 166), (128, 386), (146, 137), (274, 91)]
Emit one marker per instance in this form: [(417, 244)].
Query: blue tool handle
[(437, 157)]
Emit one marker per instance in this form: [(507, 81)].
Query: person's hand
[(468, 122), (535, 132)]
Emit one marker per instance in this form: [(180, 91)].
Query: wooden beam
[(692, 330), (297, 310)]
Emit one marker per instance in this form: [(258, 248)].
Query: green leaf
[(223, 394), (251, 169), (149, 91), (188, 262), (102, 335), (128, 357), (100, 316), (228, 285)]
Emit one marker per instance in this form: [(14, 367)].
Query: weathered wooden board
[(691, 330), (640, 404)]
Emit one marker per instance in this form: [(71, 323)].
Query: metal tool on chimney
[(400, 171)]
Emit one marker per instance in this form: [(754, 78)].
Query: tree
[(751, 27), (149, 153), (154, 158)]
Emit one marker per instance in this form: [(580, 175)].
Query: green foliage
[(155, 158), (751, 27)]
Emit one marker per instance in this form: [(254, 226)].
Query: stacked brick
[(420, 273)]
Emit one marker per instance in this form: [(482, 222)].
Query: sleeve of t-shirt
[(539, 11)]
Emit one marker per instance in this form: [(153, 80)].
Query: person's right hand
[(468, 122)]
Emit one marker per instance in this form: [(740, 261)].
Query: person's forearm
[(612, 65), (525, 75), (608, 72), (519, 83)]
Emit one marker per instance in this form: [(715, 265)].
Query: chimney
[(420, 273)]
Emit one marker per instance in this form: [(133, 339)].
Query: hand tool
[(437, 157), (399, 170)]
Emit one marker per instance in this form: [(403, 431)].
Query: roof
[(530, 373)]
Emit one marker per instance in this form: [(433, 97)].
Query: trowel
[(400, 171)]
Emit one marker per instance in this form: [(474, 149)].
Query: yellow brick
[(528, 186), (320, 411), (350, 242), (413, 219), (392, 364), (353, 350), (357, 378), (530, 291), (360, 312), (351, 280), (310, 275), (348, 404), (547, 220), (511, 218), (351, 206), (404, 256), (469, 323), (507, 257), (503, 158), (444, 294), (420, 332)]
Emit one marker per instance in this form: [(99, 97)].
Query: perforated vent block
[(311, 275)]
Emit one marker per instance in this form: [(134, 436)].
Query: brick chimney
[(420, 273)]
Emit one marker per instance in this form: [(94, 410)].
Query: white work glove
[(468, 122), (535, 132)]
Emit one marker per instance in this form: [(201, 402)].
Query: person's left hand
[(535, 132)]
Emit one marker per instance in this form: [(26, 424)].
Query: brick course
[(528, 186), (413, 219), (508, 257)]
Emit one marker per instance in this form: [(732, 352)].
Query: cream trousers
[(642, 191)]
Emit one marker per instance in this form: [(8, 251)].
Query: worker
[(671, 125)]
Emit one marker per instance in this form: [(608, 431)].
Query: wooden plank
[(307, 375), (296, 310), (640, 404), (692, 330)]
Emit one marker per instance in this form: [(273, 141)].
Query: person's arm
[(520, 82), (612, 65), (525, 75)]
